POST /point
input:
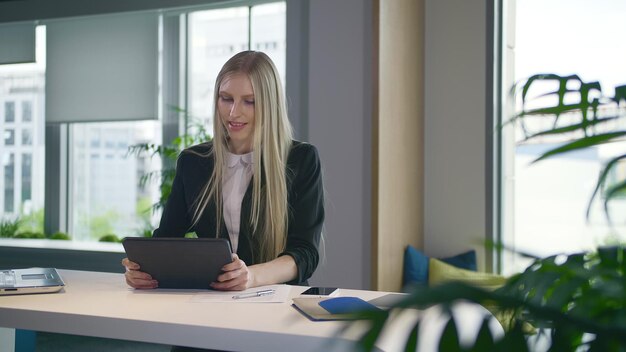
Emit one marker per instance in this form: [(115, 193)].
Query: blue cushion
[(416, 265), (466, 260)]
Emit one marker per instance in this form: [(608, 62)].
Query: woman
[(252, 184)]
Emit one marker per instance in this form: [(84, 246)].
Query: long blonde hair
[(272, 142)]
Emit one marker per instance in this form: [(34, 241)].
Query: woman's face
[(235, 105)]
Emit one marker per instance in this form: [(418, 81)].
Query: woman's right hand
[(136, 278)]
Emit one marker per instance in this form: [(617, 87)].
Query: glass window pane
[(27, 111), (107, 194), (214, 36), (9, 111), (545, 203), (22, 99), (27, 175), (9, 137), (268, 33), (9, 182), (27, 136)]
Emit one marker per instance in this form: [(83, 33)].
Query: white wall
[(339, 124), (455, 126)]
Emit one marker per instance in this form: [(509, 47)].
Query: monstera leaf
[(577, 301), (582, 114)]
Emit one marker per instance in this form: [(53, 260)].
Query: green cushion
[(416, 265), (440, 272)]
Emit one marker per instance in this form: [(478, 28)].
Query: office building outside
[(22, 152)]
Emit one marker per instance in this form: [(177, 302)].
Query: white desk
[(102, 305)]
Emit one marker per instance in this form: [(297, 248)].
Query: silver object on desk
[(32, 280), (254, 294)]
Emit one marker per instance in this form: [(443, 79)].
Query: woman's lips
[(236, 126)]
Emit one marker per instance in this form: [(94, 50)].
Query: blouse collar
[(234, 159)]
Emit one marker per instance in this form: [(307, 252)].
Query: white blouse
[(234, 185)]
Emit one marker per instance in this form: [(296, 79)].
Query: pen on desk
[(254, 294)]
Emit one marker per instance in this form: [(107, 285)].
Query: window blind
[(102, 68), (17, 43)]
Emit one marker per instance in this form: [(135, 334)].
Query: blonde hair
[(272, 140)]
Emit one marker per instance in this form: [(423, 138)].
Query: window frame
[(106, 256), (503, 217)]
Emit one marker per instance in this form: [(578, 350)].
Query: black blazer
[(305, 200)]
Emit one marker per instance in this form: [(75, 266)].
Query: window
[(268, 23), (9, 137), (106, 194), (208, 52), (9, 183), (544, 204), (22, 177), (9, 111), (27, 175), (27, 136), (27, 111)]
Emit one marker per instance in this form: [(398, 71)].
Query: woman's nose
[(235, 109)]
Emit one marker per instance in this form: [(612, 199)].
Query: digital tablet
[(187, 263)]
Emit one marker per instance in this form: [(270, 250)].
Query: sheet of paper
[(280, 295)]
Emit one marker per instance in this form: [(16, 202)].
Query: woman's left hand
[(236, 276)]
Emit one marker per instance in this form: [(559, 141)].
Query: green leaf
[(412, 340), (582, 143), (548, 77), (513, 341), (611, 193), (611, 256), (8, 228), (484, 339), (571, 128), (620, 94), (553, 110), (499, 246), (565, 338), (602, 178), (368, 340), (449, 341), (564, 290), (175, 108)]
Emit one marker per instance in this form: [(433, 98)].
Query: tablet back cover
[(186, 263)]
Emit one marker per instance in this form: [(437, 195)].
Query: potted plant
[(169, 154), (9, 228), (578, 301)]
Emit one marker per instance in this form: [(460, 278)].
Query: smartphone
[(320, 291)]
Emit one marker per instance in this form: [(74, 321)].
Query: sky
[(586, 37)]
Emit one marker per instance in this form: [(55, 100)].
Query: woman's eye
[(250, 102), (226, 98)]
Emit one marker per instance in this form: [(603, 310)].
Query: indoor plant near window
[(168, 153), (579, 300), (9, 227), (28, 227)]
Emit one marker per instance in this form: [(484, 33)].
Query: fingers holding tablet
[(136, 278)]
